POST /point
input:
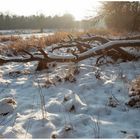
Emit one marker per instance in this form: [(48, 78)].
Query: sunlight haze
[(80, 9)]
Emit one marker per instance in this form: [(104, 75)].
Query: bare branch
[(27, 53), (94, 51), (43, 52), (94, 38)]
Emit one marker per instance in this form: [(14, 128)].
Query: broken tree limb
[(31, 55), (124, 55), (81, 41), (94, 38), (97, 50), (94, 51)]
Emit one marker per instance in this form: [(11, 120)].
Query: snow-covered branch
[(106, 48)]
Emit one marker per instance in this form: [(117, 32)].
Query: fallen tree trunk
[(94, 51)]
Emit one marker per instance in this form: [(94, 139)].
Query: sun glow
[(78, 8)]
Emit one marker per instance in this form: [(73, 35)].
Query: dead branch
[(31, 55), (42, 52), (94, 38), (94, 51), (83, 49)]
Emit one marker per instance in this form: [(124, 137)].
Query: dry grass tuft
[(57, 37), (135, 87), (134, 94), (9, 38)]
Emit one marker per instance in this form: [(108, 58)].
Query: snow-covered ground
[(92, 105), (26, 33)]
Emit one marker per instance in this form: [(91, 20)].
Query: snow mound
[(64, 132), (53, 106), (7, 105), (41, 131), (73, 103), (71, 129), (70, 102)]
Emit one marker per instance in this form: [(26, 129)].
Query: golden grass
[(57, 37), (19, 43), (9, 38)]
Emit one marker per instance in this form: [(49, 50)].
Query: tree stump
[(41, 66)]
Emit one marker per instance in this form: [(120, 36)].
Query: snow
[(90, 107), (2, 45), (7, 105), (25, 33)]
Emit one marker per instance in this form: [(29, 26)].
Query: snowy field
[(26, 33), (86, 107), (68, 100)]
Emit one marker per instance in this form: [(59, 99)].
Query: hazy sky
[(78, 8)]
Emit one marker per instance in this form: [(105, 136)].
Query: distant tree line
[(117, 15), (36, 22)]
